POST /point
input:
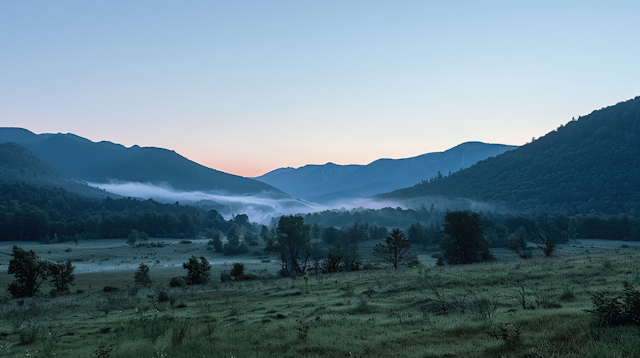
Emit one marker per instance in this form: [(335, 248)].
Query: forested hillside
[(18, 164), (589, 165)]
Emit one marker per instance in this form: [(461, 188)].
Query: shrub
[(110, 288), (617, 311), (163, 296), (225, 276), (198, 272), (177, 281), (237, 270), (507, 333)]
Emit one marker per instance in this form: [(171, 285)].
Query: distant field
[(117, 255), (422, 312)]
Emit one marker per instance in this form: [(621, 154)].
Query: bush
[(110, 288), (198, 272), (163, 296), (617, 311), (225, 277), (237, 270), (178, 281)]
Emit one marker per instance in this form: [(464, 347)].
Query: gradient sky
[(250, 86)]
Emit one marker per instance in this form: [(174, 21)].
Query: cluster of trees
[(31, 213), (31, 272), (387, 217), (299, 254), (498, 228)]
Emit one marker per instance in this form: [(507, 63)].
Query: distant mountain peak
[(332, 181)]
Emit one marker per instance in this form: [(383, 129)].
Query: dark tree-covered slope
[(18, 164), (331, 181), (592, 163), (105, 161)]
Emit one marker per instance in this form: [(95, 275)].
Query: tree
[(144, 237), (395, 250), (330, 234), (464, 242), (197, 272), (216, 241), (549, 241), (264, 233), (142, 275), (291, 245), (234, 246), (61, 275), (133, 237), (519, 244), (333, 262), (29, 270)]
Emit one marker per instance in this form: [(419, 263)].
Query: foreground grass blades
[(533, 308)]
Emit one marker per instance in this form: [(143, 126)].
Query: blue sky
[(249, 86)]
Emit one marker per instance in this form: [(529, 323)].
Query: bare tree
[(395, 250), (519, 244), (549, 241)]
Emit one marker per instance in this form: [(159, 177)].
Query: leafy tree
[(142, 275), (464, 242), (216, 241), (395, 250), (330, 234), (264, 233), (291, 245), (197, 272), (234, 246), (133, 237), (144, 237), (61, 275), (29, 271)]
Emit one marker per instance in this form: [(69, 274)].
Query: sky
[(246, 87)]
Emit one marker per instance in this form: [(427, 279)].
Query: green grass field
[(453, 311)]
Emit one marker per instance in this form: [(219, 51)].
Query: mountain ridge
[(103, 162), (331, 181)]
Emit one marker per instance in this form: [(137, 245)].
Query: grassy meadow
[(508, 308)]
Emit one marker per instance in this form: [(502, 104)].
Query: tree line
[(32, 213)]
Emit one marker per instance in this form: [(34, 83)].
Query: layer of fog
[(259, 207)]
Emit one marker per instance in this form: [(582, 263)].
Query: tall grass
[(453, 311)]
